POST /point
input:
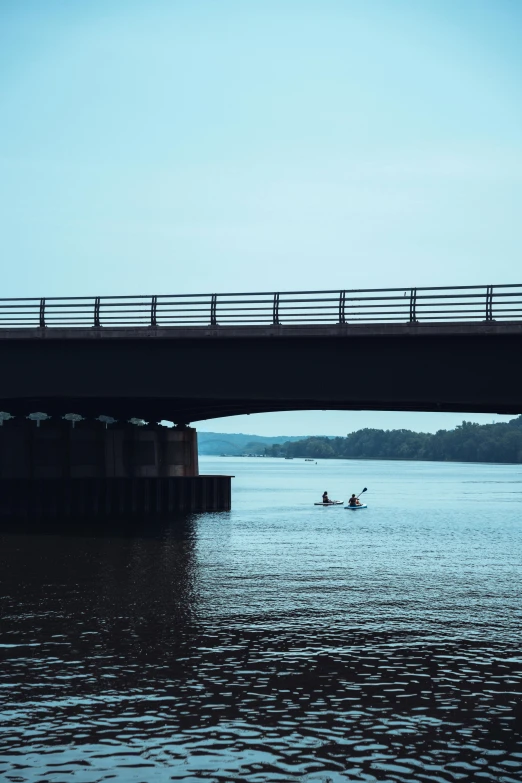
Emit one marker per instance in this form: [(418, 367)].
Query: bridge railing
[(392, 305)]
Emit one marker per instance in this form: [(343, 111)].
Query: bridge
[(187, 358)]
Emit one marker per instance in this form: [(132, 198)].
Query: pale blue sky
[(155, 146)]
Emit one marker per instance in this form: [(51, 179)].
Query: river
[(278, 642)]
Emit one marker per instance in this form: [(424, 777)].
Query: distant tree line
[(468, 442)]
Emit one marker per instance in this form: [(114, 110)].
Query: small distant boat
[(331, 503), (354, 508), (288, 457), (308, 459)]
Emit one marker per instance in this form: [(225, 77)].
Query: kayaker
[(326, 499), (354, 501)]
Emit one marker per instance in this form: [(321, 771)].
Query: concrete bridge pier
[(73, 467)]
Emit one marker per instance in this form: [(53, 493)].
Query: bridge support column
[(179, 451), (93, 468)]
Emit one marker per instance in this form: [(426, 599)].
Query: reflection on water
[(274, 643)]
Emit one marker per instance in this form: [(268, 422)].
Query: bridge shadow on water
[(177, 525)]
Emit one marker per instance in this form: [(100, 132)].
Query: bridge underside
[(191, 411), (193, 374)]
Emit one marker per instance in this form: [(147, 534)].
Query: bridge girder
[(189, 375)]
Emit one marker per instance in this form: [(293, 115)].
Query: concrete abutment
[(89, 468)]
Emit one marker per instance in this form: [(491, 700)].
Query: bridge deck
[(424, 329)]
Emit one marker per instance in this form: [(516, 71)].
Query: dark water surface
[(277, 642)]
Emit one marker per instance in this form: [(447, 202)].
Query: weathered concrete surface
[(190, 374), (57, 450)]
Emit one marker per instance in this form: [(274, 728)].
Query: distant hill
[(468, 442), (238, 443)]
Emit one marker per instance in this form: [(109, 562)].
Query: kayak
[(331, 503), (354, 508)]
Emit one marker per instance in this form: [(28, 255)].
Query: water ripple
[(265, 646)]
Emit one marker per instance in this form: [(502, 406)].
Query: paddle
[(364, 490)]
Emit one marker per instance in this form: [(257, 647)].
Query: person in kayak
[(354, 501), (326, 499)]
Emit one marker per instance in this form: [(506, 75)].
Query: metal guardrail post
[(275, 314), (342, 302), (97, 311), (213, 310), (489, 303), (42, 313), (413, 306), (153, 311)]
